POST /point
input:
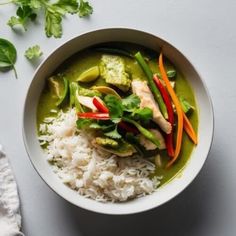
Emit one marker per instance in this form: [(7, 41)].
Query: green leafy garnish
[(7, 55), (113, 134), (53, 13), (33, 52), (143, 114), (24, 14), (131, 103), (85, 9), (83, 123), (114, 106), (186, 106)]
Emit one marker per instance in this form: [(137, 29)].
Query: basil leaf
[(7, 55)]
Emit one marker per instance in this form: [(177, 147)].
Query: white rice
[(94, 174)]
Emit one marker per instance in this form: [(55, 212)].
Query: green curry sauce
[(86, 59)]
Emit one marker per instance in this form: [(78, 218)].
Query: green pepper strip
[(155, 91), (146, 133)]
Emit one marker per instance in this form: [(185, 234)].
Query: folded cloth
[(10, 219)]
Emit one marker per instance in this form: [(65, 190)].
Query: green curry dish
[(113, 71)]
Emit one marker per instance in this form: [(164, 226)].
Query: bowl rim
[(143, 209)]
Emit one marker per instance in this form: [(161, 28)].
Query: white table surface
[(205, 32)]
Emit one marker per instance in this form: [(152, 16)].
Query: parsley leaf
[(53, 25), (131, 103), (113, 134), (85, 9), (66, 6), (53, 13), (115, 107), (33, 52), (24, 14)]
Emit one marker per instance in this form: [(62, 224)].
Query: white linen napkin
[(10, 219)]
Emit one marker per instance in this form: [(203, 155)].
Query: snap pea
[(155, 91), (64, 93)]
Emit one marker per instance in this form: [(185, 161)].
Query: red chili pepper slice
[(128, 128), (167, 101), (93, 115), (101, 107)]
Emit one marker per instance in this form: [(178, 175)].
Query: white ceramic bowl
[(163, 194)]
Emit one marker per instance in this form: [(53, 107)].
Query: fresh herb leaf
[(83, 123), (113, 134), (114, 106), (131, 103), (143, 114), (33, 52), (53, 25), (186, 106), (85, 9), (7, 55), (24, 14), (66, 6), (53, 13), (171, 73)]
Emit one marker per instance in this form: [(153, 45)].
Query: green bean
[(146, 133), (154, 89)]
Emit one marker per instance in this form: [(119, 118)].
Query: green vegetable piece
[(64, 93), (33, 52), (88, 92), (59, 86), (7, 55), (119, 148), (113, 71), (131, 103), (78, 106), (107, 142), (73, 87), (171, 73), (186, 106), (154, 89), (89, 75), (85, 9), (146, 133), (106, 90)]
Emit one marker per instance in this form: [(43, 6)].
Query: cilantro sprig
[(53, 12)]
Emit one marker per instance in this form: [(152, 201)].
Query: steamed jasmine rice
[(91, 172)]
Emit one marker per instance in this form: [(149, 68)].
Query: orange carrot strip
[(189, 129), (178, 110)]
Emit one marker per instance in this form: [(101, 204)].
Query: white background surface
[(204, 31)]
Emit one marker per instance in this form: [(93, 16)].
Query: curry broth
[(84, 60)]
